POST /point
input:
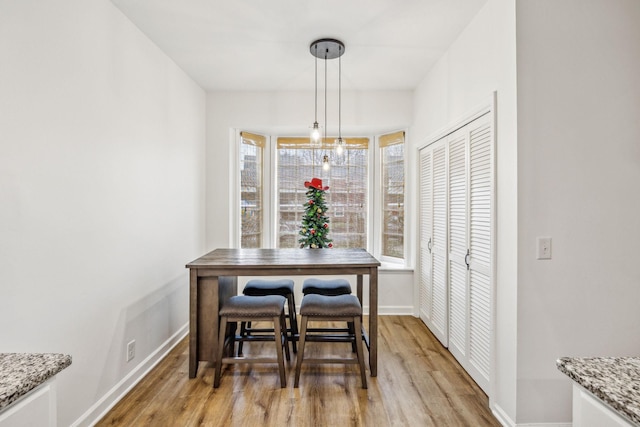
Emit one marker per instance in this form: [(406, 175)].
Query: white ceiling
[(264, 44)]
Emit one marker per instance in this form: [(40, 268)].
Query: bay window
[(362, 181)]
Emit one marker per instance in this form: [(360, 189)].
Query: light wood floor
[(418, 384)]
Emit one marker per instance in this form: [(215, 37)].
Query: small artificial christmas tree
[(315, 222)]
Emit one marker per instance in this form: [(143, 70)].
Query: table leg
[(203, 319), (193, 322), (206, 295), (373, 321), (215, 321)]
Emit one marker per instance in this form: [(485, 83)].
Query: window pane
[(346, 198), (393, 200), (251, 207)]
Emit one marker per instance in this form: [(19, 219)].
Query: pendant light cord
[(326, 127), (316, 96), (340, 95)]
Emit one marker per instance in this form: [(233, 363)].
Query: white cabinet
[(456, 243), (37, 408), (589, 411)]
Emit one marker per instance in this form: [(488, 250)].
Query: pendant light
[(315, 128), (339, 143), (325, 158), (325, 49), (325, 162)]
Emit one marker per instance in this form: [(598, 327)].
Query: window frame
[(354, 143), (404, 261), (374, 197), (260, 142)]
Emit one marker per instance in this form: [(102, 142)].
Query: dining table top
[(285, 258)]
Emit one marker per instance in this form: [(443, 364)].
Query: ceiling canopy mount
[(327, 48)]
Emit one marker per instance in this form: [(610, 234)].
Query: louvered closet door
[(457, 181), (440, 303), (470, 236), (433, 235), (480, 241), (456, 196)]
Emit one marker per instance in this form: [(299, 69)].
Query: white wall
[(578, 173), (102, 140), (479, 62), (291, 113)]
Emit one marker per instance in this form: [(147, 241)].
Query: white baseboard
[(389, 310), (501, 416), (506, 421), (544, 425), (113, 396), (396, 310)]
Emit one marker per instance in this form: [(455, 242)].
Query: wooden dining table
[(214, 279)]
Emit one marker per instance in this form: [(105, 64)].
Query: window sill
[(393, 267)]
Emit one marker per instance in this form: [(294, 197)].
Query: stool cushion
[(330, 306), (245, 306), (326, 286), (258, 287)]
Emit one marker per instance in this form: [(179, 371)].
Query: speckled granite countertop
[(614, 380), (22, 372)]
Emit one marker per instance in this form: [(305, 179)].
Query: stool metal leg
[(291, 332), (293, 323), (243, 333), (352, 331), (284, 339)]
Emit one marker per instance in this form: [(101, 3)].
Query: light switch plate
[(544, 247)]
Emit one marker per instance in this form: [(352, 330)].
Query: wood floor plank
[(418, 383)]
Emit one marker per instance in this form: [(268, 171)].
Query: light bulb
[(339, 143), (315, 134), (325, 163)]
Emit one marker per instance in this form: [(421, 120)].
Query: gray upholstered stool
[(244, 309), (339, 308), (284, 287), (329, 287)]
